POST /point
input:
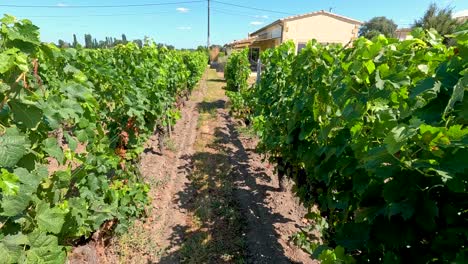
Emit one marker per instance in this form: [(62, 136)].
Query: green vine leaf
[(49, 219), (52, 148), (398, 137), (8, 183), (13, 146), (25, 115), (457, 94)]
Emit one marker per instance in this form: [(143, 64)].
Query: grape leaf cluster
[(375, 136), (73, 123)]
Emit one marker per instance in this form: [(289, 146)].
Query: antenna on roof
[(330, 9)]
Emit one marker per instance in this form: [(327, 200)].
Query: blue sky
[(184, 24)]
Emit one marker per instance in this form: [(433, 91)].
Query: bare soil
[(214, 199)]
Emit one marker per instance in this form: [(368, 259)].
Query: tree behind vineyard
[(439, 19), (108, 42), (75, 41), (88, 41), (377, 26), (63, 44)]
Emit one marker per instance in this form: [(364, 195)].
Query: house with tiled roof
[(325, 27)]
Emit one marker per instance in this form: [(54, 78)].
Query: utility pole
[(208, 41)]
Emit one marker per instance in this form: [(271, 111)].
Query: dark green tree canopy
[(377, 26), (75, 41), (439, 19)]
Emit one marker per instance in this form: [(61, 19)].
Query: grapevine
[(72, 125), (375, 136)]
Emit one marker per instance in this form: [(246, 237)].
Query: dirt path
[(272, 215), (214, 199)]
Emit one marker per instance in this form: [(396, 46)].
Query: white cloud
[(256, 23), (262, 16), (461, 13), (182, 10), (184, 28), (62, 5)]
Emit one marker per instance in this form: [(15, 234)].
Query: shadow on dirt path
[(232, 197)]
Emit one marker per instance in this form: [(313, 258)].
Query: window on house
[(300, 46)]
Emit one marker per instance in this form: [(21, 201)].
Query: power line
[(234, 13), (103, 15), (101, 6), (219, 10), (252, 8), (240, 13)]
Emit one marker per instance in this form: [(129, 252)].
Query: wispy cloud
[(184, 28), (262, 16), (62, 5), (182, 10), (256, 23)]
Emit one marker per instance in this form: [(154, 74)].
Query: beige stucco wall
[(323, 28)]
